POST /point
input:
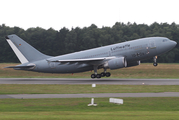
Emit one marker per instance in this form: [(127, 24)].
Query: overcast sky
[(82, 13)]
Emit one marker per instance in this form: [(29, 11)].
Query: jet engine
[(116, 63), (135, 63)]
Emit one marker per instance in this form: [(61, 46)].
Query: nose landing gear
[(155, 61)]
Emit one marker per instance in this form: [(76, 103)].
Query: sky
[(57, 14)]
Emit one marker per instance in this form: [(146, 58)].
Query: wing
[(87, 60)]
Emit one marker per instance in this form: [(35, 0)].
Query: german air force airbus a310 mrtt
[(114, 56)]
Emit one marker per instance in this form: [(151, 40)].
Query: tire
[(103, 74), (155, 64), (98, 76), (108, 74), (93, 76)]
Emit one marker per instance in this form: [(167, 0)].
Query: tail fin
[(24, 51)]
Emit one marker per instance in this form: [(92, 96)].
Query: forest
[(58, 42)]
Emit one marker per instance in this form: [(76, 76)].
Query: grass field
[(142, 71), (157, 108), (68, 115), (76, 108)]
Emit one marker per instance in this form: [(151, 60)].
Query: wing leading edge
[(83, 60)]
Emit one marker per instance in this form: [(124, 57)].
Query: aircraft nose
[(173, 43)]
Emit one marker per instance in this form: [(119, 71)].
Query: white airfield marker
[(92, 99)]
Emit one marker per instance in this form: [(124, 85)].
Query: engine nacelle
[(116, 63), (135, 63)]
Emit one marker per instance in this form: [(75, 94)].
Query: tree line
[(58, 42)]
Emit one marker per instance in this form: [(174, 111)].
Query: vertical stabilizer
[(24, 51)]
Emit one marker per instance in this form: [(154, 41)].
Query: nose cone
[(172, 43), (165, 45)]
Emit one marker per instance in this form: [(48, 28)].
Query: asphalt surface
[(89, 81), (32, 96)]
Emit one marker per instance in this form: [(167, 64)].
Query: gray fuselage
[(134, 50)]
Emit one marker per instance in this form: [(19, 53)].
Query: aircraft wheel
[(155, 64), (98, 75), (108, 74), (103, 74), (93, 76)]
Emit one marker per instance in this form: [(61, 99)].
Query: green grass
[(74, 89), (122, 115), (142, 71), (76, 108), (80, 104), (159, 108)]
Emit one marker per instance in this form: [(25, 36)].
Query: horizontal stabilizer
[(23, 67)]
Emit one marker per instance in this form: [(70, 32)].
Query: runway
[(89, 81), (97, 95)]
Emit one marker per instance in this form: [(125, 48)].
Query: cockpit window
[(165, 40)]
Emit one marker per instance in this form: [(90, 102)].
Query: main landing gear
[(103, 74), (155, 61)]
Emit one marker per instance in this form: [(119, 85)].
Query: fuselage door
[(151, 47), (152, 44)]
